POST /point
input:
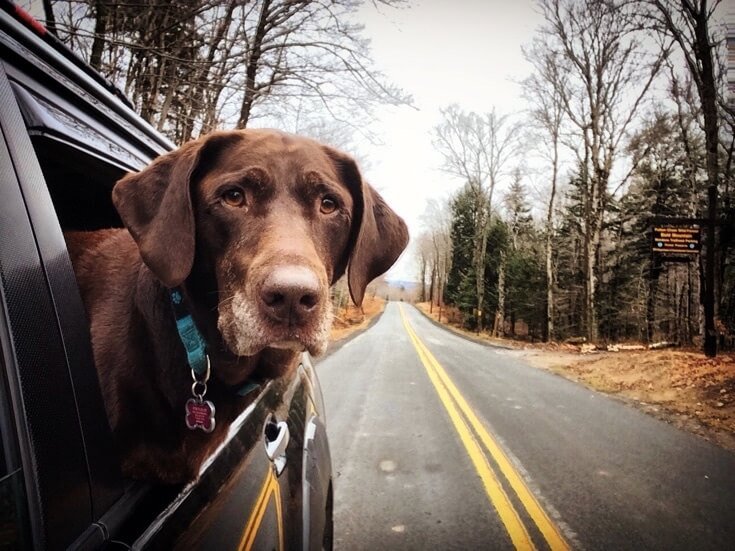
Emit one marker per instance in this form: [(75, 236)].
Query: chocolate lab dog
[(251, 227)]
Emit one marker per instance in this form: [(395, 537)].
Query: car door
[(40, 402), (249, 493)]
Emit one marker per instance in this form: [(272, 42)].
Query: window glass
[(14, 526)]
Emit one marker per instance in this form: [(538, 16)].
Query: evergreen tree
[(568, 257), (519, 219), (525, 273), (498, 243), (460, 290), (633, 304)]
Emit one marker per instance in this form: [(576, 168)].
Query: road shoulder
[(342, 336), (680, 387)]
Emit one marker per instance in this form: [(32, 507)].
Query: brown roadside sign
[(676, 239)]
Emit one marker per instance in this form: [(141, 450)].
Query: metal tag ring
[(205, 378), (202, 385)]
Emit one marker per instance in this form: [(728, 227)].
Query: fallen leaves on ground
[(351, 319)]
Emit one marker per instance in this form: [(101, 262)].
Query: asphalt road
[(442, 443)]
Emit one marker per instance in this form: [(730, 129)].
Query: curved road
[(439, 442)]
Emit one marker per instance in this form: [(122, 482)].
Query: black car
[(66, 136)]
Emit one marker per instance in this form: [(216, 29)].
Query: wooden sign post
[(677, 239)]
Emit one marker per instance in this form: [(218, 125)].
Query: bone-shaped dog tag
[(200, 414)]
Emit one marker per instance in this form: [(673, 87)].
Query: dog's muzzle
[(289, 309), (290, 295)]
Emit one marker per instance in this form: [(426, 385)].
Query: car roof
[(44, 66)]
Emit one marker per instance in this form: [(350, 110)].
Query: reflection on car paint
[(270, 495)]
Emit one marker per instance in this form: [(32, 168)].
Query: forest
[(629, 127), (629, 123)]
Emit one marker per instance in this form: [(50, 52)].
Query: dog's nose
[(290, 293)]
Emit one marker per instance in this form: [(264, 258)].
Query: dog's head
[(257, 224)]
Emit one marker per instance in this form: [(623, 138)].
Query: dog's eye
[(234, 197), (328, 205)]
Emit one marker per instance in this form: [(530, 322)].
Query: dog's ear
[(155, 205), (378, 235)]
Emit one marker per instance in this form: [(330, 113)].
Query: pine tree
[(460, 289)]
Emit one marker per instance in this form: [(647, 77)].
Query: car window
[(8, 447), (14, 523), (80, 191), (80, 165)]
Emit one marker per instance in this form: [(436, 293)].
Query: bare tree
[(438, 223), (304, 117), (193, 65), (543, 92), (476, 148), (605, 81), (688, 23)]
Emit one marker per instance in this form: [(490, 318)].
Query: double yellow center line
[(269, 490), (465, 422)]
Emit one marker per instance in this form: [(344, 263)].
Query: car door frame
[(52, 455)]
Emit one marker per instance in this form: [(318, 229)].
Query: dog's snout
[(290, 293)]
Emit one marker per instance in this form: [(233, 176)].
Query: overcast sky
[(441, 52)]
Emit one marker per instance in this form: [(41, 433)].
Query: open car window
[(80, 165), (80, 191), (67, 125)]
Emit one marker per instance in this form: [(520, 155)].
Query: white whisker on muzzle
[(246, 330)]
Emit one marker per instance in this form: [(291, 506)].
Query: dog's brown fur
[(232, 261)]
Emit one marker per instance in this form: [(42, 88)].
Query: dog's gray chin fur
[(296, 346), (246, 334)]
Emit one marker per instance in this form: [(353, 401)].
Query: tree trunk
[(592, 239), (439, 291), (100, 29), (549, 333), (50, 23), (165, 106), (708, 96), (499, 326), (690, 305), (480, 254), (432, 287), (549, 249), (252, 66), (422, 293), (651, 298)]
